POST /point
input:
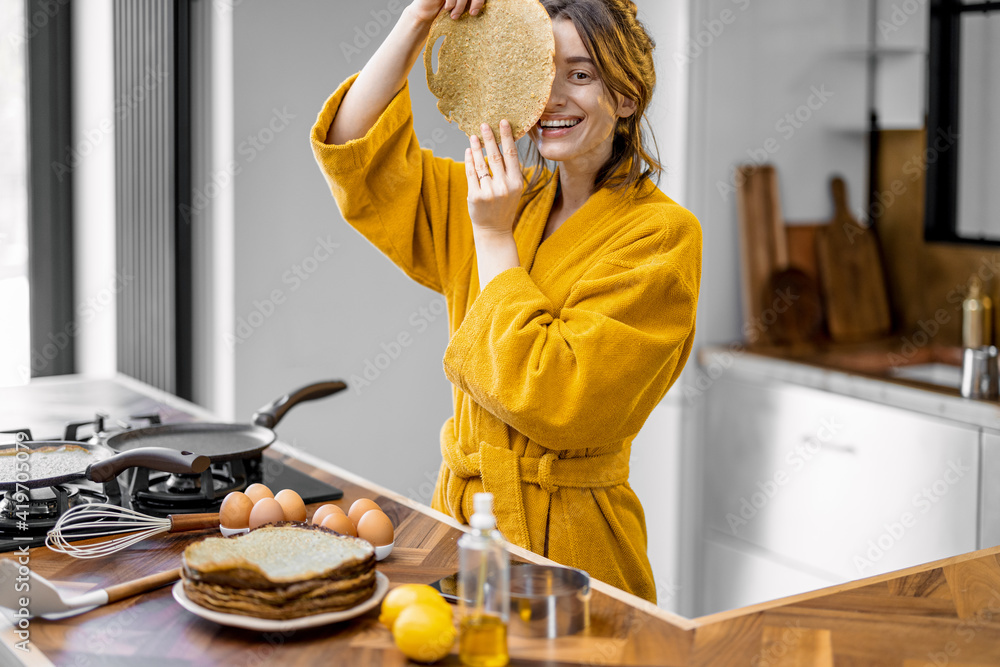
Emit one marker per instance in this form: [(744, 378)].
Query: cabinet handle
[(815, 442)]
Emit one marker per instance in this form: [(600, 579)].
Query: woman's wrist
[(496, 251), (492, 236), (411, 21)]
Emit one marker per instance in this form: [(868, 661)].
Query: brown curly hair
[(623, 53)]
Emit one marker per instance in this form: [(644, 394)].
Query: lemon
[(424, 632), (403, 596)]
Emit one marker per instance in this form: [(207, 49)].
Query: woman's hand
[(427, 10), (493, 199)]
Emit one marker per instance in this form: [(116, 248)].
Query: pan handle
[(157, 458), (269, 415)]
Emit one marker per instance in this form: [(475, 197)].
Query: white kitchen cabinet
[(741, 575), (989, 507), (847, 487)]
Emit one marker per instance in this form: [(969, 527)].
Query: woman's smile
[(557, 126)]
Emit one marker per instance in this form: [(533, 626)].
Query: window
[(14, 334)]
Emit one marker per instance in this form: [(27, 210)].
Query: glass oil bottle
[(483, 589)]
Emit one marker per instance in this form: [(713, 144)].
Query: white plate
[(274, 625)]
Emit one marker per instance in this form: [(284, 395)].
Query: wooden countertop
[(946, 612)]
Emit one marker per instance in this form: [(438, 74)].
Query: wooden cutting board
[(763, 246), (802, 248), (851, 275)]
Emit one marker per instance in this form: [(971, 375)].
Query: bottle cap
[(482, 519), (975, 287)]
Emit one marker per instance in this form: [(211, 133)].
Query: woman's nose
[(555, 102), (557, 97)]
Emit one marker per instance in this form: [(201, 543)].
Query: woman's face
[(579, 120)]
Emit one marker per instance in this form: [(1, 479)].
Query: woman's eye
[(581, 76)]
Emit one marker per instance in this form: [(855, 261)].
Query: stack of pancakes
[(280, 571)]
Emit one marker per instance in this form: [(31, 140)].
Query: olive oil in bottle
[(483, 589), (483, 641)]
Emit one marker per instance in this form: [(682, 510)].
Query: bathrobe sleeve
[(590, 374), (408, 203)]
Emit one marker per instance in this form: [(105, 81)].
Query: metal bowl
[(547, 601)]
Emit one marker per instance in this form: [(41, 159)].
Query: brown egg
[(235, 510), (375, 527), (339, 523), (266, 510), (257, 491), (324, 511), (360, 506), (291, 503)]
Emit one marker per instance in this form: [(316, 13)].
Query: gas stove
[(25, 521)]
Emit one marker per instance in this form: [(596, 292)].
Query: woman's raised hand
[(385, 73), (427, 10), (493, 198)]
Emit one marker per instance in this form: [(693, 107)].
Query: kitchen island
[(947, 612)]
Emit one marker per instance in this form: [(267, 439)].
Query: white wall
[(212, 216), (93, 171)]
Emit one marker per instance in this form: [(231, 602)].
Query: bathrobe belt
[(503, 471)]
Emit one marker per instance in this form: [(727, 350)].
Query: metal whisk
[(102, 520)]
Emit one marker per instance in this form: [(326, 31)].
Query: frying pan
[(224, 442), (106, 465)]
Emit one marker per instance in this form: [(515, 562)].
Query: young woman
[(571, 291)]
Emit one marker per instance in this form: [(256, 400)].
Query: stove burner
[(165, 493), (43, 507), (98, 426), (43, 503), (191, 485)]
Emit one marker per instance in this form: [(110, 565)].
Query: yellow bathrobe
[(556, 364)]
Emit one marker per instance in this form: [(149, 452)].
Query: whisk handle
[(181, 522), (130, 588)]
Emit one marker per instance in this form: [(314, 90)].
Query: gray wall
[(288, 57)]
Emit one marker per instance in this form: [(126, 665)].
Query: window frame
[(943, 113), (49, 95)]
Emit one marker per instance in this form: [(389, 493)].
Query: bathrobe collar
[(538, 257)]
